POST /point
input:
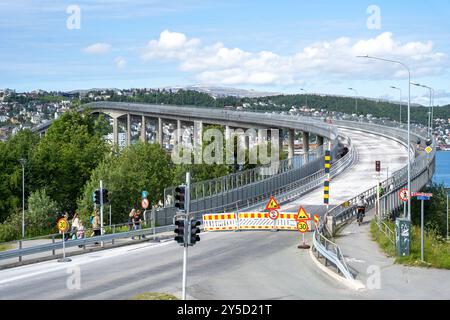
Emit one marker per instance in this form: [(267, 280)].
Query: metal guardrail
[(389, 202), (19, 253)]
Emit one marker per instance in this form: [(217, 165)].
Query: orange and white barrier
[(220, 222), (255, 221), (251, 221)]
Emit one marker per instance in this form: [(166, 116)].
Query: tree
[(19, 146), (41, 215), (125, 175), (64, 159)]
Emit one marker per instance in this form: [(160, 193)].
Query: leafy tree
[(64, 159), (41, 214), (138, 167), (19, 146)]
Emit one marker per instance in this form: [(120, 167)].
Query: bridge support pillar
[(179, 133), (319, 141), (305, 145), (160, 131), (143, 130), (198, 142), (280, 140), (115, 130), (291, 146), (128, 129), (227, 133)]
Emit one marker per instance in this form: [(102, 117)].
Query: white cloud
[(120, 62), (97, 48), (219, 64)]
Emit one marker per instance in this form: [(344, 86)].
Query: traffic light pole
[(186, 233)]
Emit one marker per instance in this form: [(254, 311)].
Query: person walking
[(67, 234), (74, 227), (130, 219), (137, 220), (96, 225), (80, 232)]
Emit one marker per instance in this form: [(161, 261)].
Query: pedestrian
[(130, 219), (67, 234), (75, 225), (80, 231), (96, 225), (380, 189), (137, 220)]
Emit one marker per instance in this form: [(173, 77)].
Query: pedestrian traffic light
[(194, 231), (180, 197), (97, 196), (105, 196), (179, 230)]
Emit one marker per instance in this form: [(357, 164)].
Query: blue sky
[(263, 45)]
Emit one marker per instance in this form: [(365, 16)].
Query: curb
[(352, 284)]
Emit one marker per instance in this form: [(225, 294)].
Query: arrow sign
[(273, 204)]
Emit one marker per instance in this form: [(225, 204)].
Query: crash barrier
[(422, 169), (219, 222), (251, 221)]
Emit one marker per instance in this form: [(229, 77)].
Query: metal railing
[(421, 172)]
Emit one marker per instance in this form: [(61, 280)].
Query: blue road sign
[(144, 194), (423, 198)]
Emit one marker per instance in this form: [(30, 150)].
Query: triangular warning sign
[(302, 215), (273, 204)]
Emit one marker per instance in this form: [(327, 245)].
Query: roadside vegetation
[(154, 296), (436, 248)]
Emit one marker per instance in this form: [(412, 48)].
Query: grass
[(4, 247), (154, 296), (436, 250)]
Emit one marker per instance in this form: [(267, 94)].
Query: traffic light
[(180, 197), (105, 195), (180, 237), (193, 232), (97, 196)]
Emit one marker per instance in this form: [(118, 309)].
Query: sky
[(280, 46)]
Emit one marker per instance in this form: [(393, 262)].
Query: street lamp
[(306, 96), (356, 99), (23, 162), (430, 109), (409, 121), (392, 87)]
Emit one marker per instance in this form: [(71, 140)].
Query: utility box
[(403, 236)]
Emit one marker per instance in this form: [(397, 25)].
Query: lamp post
[(430, 109), (23, 162), (306, 96), (409, 120), (356, 99), (392, 87)]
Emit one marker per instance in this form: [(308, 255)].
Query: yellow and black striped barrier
[(326, 192), (327, 161)]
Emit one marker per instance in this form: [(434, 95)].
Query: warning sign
[(273, 204), (302, 215)]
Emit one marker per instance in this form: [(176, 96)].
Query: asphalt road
[(236, 265)]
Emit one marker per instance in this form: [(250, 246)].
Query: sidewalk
[(364, 256)]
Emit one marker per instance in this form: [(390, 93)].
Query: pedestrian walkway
[(365, 257)]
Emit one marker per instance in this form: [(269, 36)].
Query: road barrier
[(251, 221)]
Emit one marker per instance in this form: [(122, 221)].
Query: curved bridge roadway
[(236, 265)]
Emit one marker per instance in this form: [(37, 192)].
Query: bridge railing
[(422, 169)]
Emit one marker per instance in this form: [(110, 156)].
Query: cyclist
[(361, 209)]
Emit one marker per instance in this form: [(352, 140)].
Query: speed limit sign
[(62, 225), (302, 226)]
